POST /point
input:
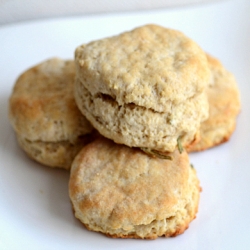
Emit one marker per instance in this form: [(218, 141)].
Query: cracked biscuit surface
[(137, 126), (42, 110), (224, 106), (122, 192), (151, 69)]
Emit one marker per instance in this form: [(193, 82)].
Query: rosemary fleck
[(179, 145), (157, 154)]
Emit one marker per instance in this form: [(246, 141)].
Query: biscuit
[(146, 76), (224, 106), (122, 192), (42, 110)]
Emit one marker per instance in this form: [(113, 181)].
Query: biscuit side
[(54, 154), (137, 126)]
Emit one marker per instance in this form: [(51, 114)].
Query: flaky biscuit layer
[(136, 126), (54, 154)]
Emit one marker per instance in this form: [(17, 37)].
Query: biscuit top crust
[(150, 66), (120, 187), (42, 105)]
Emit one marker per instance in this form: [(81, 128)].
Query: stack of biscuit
[(122, 119)]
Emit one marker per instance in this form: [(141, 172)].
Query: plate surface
[(35, 210)]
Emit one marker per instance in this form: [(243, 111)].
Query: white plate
[(35, 211)]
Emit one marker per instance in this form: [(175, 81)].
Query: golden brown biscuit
[(122, 192), (143, 88), (224, 106), (42, 110)]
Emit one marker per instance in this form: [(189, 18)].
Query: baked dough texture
[(224, 106), (42, 110), (140, 127), (152, 78), (122, 192), (54, 154)]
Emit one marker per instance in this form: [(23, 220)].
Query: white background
[(21, 10), (35, 211)]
